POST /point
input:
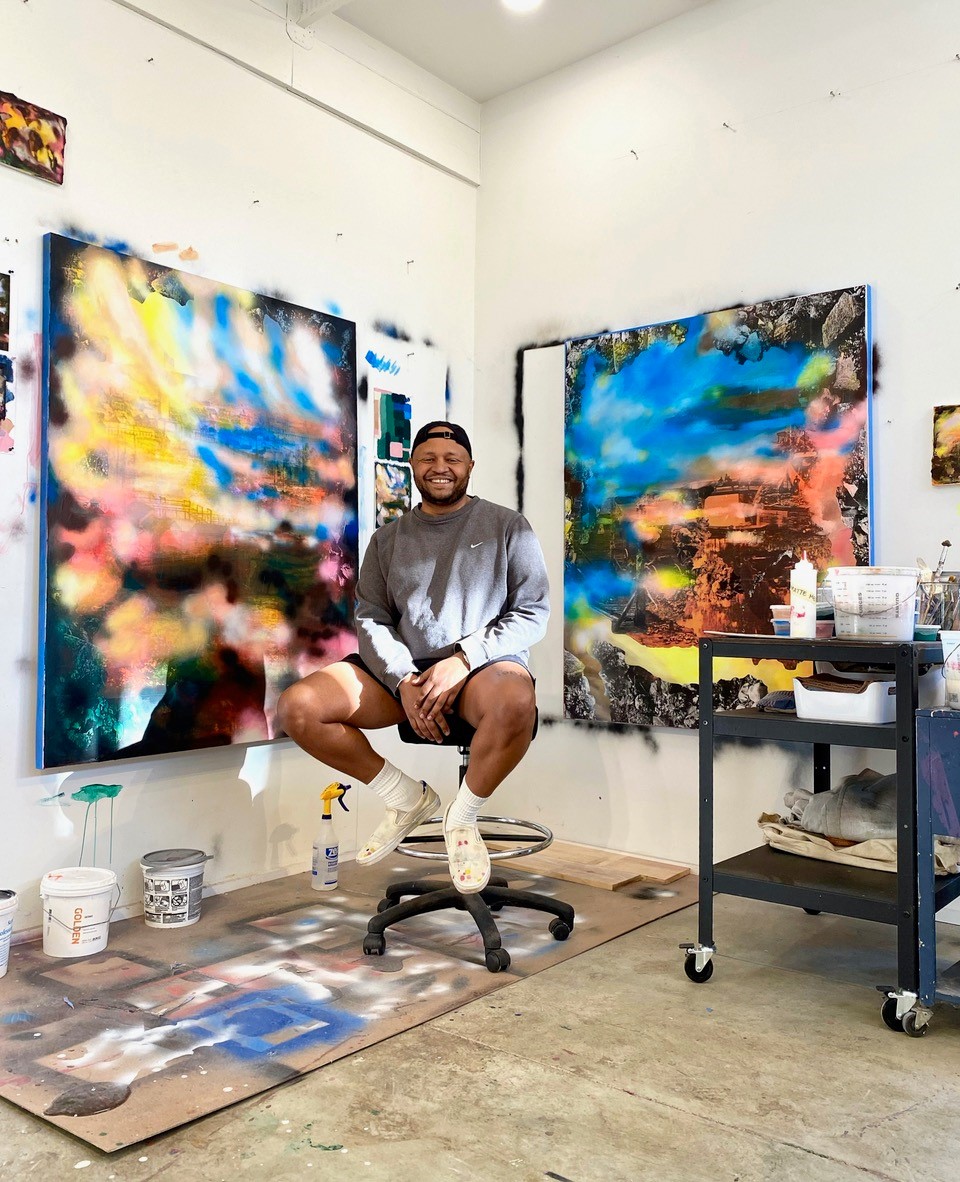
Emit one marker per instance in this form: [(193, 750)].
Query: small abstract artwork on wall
[(392, 425), (199, 549), (394, 492), (703, 456), (31, 138), (5, 282), (945, 468)]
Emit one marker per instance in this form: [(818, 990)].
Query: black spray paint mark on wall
[(385, 328), (363, 389), (607, 728), (518, 417)]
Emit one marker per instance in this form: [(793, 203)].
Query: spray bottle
[(803, 599), (326, 850)]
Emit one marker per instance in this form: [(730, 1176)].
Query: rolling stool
[(438, 896)]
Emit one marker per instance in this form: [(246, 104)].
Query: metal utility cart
[(909, 898)]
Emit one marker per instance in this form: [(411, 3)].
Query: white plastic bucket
[(172, 887), (76, 910), (950, 642), (874, 602), (8, 907)]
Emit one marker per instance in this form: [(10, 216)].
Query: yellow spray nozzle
[(332, 792)]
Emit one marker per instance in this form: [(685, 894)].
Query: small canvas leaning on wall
[(703, 456), (199, 550)]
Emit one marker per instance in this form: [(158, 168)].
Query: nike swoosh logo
[(474, 545)]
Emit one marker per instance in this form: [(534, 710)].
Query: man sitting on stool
[(450, 597)]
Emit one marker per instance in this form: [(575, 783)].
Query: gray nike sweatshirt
[(473, 579)]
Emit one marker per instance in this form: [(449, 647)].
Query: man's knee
[(303, 705), (513, 709), (291, 709)]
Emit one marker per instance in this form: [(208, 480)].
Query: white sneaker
[(396, 825), (468, 857)]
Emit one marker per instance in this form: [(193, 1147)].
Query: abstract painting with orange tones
[(199, 550), (703, 457), (31, 138), (945, 468)]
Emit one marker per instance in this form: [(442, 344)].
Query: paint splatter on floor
[(270, 984)]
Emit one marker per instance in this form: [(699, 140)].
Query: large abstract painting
[(702, 457), (200, 510)]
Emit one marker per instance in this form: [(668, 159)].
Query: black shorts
[(356, 659)]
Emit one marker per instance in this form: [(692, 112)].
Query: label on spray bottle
[(330, 862), (326, 858)]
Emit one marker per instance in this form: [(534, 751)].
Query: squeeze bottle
[(326, 849), (803, 599)]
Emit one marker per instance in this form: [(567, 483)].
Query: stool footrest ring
[(532, 847)]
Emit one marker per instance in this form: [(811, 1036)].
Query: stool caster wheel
[(698, 976), (498, 959), (383, 905), (559, 929), (374, 944), (495, 907)]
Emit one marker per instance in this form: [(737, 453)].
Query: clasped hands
[(429, 696)]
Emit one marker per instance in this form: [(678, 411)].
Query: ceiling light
[(521, 5)]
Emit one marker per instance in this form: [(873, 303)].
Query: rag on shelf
[(854, 823)]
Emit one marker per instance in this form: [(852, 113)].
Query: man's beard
[(449, 495)]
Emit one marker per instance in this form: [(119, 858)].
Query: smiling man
[(451, 595)]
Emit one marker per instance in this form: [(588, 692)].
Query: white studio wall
[(742, 152), (171, 143)]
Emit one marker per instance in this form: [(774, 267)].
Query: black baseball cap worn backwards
[(439, 429)]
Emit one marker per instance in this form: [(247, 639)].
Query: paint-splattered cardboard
[(165, 1026)]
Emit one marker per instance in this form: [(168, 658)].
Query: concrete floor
[(610, 1067)]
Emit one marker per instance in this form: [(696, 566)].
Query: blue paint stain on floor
[(272, 1021)]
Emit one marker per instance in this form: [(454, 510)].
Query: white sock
[(465, 809), (395, 788)]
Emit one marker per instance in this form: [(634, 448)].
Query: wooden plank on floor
[(592, 866)]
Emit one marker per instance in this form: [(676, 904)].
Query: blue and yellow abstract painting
[(703, 456), (199, 549)]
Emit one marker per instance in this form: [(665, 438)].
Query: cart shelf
[(768, 724), (779, 877)]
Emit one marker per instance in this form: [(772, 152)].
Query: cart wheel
[(695, 974), (374, 944), (888, 1012), (498, 959), (383, 905), (811, 911), (910, 1025), (559, 929)]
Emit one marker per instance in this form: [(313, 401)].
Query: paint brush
[(945, 544)]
